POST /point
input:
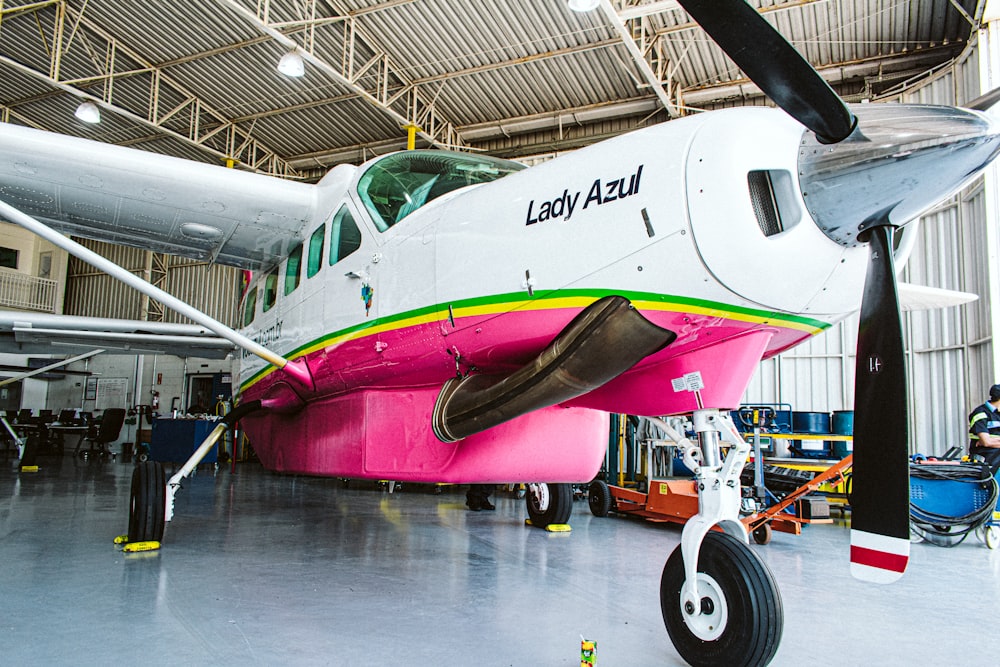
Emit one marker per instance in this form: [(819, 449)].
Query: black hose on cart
[(981, 483)]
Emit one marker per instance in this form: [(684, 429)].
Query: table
[(57, 433)]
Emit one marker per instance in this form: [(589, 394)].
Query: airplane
[(451, 317)]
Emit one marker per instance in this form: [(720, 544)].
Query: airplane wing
[(920, 297), (35, 333), (156, 202)]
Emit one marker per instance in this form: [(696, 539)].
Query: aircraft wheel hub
[(711, 622)]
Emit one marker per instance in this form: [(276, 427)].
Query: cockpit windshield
[(399, 184)]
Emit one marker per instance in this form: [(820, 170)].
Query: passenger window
[(345, 237), (250, 307), (293, 270), (315, 260), (270, 290)]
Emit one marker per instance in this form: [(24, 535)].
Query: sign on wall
[(111, 393)]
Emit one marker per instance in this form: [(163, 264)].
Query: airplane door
[(353, 264)]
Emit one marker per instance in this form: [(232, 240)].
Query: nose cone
[(900, 161)]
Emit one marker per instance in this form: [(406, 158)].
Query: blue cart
[(948, 501)]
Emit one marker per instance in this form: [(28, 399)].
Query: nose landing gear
[(739, 619), (718, 599)]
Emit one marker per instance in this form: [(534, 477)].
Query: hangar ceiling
[(511, 77)]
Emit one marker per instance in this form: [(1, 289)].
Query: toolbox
[(812, 507)]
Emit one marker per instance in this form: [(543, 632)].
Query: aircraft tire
[(742, 615), (147, 503), (549, 503), (599, 498)]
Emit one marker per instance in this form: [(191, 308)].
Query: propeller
[(880, 497), (985, 102), (880, 516), (774, 65)]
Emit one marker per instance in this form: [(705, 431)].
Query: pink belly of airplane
[(371, 414)]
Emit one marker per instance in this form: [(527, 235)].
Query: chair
[(67, 416), (108, 429)]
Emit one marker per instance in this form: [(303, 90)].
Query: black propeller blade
[(985, 101), (880, 510), (774, 65), (880, 513)]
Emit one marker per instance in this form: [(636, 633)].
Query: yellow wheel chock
[(552, 527), (134, 547)]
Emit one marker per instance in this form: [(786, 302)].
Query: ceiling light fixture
[(291, 64), (583, 5), (88, 112)]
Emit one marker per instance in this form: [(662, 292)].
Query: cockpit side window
[(345, 237), (399, 184)]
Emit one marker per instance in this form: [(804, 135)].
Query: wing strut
[(296, 370), (51, 367)]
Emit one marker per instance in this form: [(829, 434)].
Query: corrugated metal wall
[(949, 351), (94, 293), (211, 289)]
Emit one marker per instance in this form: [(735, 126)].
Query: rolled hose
[(955, 526)]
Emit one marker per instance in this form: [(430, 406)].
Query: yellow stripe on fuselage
[(661, 306), (556, 303)]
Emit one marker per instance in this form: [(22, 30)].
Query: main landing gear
[(151, 501), (147, 503), (718, 599), (549, 505)]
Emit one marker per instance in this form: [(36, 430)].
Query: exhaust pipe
[(601, 343)]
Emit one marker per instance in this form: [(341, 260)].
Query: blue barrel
[(811, 422), (841, 448), (843, 422)]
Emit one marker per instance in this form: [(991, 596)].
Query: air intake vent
[(765, 206)]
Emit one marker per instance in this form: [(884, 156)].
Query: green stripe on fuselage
[(498, 304)]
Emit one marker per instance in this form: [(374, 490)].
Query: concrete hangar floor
[(262, 569)]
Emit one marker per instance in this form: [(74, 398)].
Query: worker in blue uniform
[(984, 429)]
